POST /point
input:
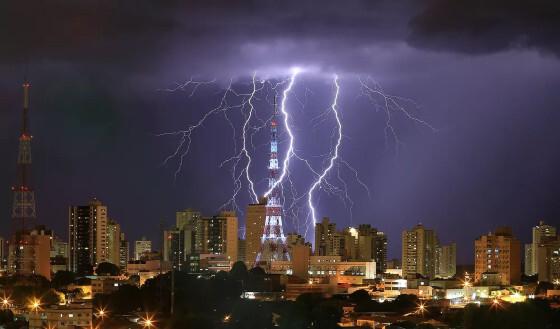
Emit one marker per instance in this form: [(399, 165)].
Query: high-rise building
[(528, 259), (301, 259), (190, 222), (273, 242), (446, 261), (241, 250), (548, 256), (33, 254), (174, 248), (142, 247), (220, 235), (113, 242), (254, 227), (3, 254), (292, 240), (418, 251), (325, 244), (123, 252), (498, 254), (540, 232), (87, 236), (59, 255), (372, 245)]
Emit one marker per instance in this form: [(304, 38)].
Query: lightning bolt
[(290, 151), (182, 148), (244, 153), (333, 158), (241, 162), (390, 104)]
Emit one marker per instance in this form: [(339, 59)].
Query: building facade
[(498, 255), (142, 247), (446, 261), (419, 251), (548, 257), (174, 248), (32, 253), (539, 234), (113, 242), (220, 235), (326, 244), (190, 222), (87, 236), (528, 259), (124, 250), (372, 245), (254, 227)]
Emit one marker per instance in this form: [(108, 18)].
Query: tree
[(6, 316), (62, 279), (107, 269), (239, 271), (360, 296), (50, 297)]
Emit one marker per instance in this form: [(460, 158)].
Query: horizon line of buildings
[(198, 242)]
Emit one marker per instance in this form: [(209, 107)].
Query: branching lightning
[(390, 104), (330, 179), (334, 156), (244, 153), (290, 150)]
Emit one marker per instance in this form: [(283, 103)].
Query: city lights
[(34, 304), (147, 321)]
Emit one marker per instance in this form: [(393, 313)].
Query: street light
[(6, 302), (421, 308), (148, 321), (101, 313), (35, 304)]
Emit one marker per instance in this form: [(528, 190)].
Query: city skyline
[(492, 162)]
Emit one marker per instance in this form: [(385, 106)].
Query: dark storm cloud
[(100, 31), (219, 32), (484, 26)]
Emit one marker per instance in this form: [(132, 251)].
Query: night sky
[(485, 73)]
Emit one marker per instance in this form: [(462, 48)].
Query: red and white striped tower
[(273, 241)]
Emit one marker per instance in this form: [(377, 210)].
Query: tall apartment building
[(241, 250), (190, 222), (446, 261), (498, 255), (33, 253), (123, 252), (59, 255), (419, 251), (220, 235), (87, 236), (548, 256), (528, 259), (141, 248), (372, 245), (113, 242), (540, 233), (254, 229), (174, 248), (325, 242)]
